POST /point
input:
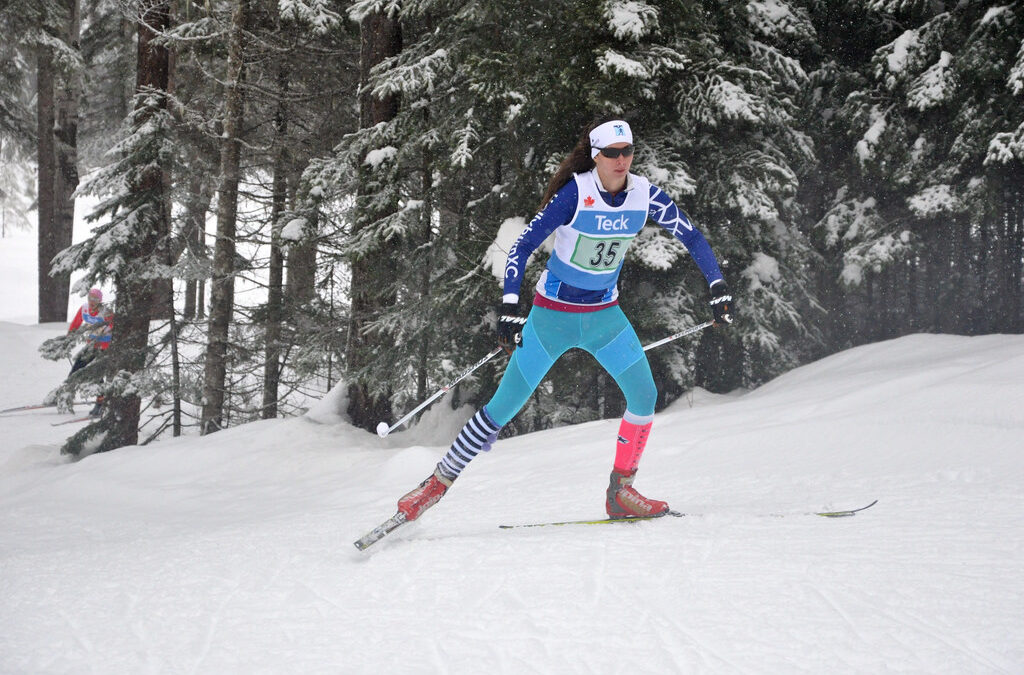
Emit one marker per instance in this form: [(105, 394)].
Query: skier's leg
[(477, 436), (84, 358), (617, 348), (546, 336), (63, 397)]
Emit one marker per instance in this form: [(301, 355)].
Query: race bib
[(599, 254)]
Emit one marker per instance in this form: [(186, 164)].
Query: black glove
[(510, 326), (721, 303)]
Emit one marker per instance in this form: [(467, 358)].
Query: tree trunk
[(175, 330), (301, 264), (300, 259), (380, 36), (275, 283), (984, 268), (163, 289), (1007, 260), (423, 357), (52, 295), (1016, 250), (969, 288), (67, 89), (222, 285), (193, 237)]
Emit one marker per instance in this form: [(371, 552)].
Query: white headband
[(615, 131)]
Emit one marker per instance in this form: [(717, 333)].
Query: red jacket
[(100, 324)]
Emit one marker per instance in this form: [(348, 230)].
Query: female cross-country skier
[(595, 207), (97, 321)]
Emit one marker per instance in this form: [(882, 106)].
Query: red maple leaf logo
[(589, 201)]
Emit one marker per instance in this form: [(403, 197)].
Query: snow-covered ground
[(233, 553)]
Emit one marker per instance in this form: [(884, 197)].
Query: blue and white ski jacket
[(593, 229)]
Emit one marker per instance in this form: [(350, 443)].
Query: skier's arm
[(558, 212), (76, 322), (665, 212)]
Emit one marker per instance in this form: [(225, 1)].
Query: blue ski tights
[(606, 334)]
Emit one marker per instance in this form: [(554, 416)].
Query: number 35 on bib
[(599, 254)]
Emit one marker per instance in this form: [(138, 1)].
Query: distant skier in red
[(97, 322)]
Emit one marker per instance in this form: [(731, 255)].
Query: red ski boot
[(423, 497), (625, 502)]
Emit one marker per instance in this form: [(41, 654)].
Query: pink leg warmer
[(632, 439)]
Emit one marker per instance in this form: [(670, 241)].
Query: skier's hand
[(721, 303), (510, 326)]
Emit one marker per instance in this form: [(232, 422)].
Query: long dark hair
[(578, 161)]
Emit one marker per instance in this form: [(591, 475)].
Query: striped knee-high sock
[(476, 437)]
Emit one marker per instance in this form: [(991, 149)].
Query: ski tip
[(844, 514)]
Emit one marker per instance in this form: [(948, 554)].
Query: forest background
[(855, 165)]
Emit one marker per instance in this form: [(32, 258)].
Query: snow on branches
[(1006, 147), (364, 8), (630, 19), (314, 13), (408, 75), (779, 19), (933, 200), (935, 85)]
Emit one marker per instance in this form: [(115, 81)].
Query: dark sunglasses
[(612, 153)]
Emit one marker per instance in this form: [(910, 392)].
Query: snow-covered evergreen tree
[(921, 224), (125, 249), (737, 134), (130, 245)]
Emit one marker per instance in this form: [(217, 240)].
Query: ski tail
[(77, 419), (379, 532), (597, 521)]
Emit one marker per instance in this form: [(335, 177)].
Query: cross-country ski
[(37, 406), (86, 418), (678, 514)]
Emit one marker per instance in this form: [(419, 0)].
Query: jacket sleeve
[(76, 322), (665, 212), (559, 211)]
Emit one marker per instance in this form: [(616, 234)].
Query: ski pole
[(383, 429), (682, 333)]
